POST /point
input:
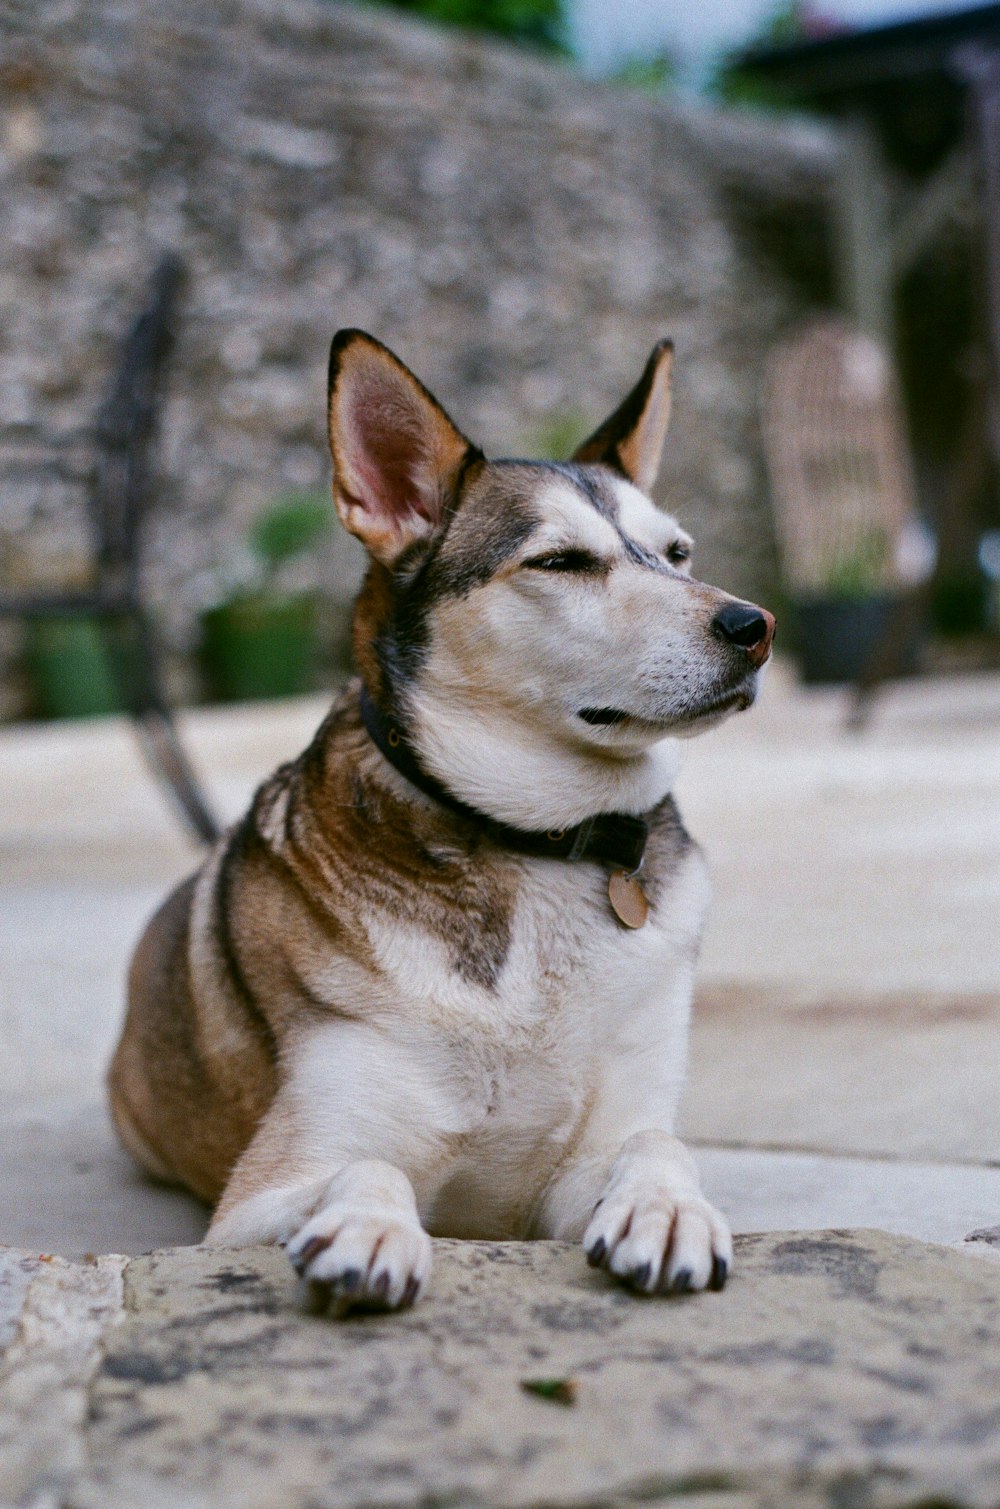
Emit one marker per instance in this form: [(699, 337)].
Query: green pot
[(258, 646), (70, 670)]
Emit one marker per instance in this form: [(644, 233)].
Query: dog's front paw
[(658, 1243), (361, 1258)]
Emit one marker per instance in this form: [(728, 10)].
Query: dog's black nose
[(747, 626)]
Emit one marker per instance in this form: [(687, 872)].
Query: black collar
[(613, 838)]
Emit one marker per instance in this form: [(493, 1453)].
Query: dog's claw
[(681, 1282), (300, 1260), (595, 1257), (350, 1282), (720, 1272), (640, 1276)]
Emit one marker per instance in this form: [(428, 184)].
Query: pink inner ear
[(387, 450)]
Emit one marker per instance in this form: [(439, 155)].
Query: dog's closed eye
[(567, 560)]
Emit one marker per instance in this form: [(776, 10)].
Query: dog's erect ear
[(631, 441), (396, 454)]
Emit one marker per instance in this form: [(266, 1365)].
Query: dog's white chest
[(532, 1059)]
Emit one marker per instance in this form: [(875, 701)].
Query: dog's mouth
[(613, 717), (603, 717)]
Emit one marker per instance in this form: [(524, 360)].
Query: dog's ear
[(396, 454), (631, 441)]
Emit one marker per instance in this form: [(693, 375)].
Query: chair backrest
[(838, 461), (125, 430)]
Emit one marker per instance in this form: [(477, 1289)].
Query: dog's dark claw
[(596, 1255), (639, 1277), (380, 1288), (681, 1283), (350, 1281), (301, 1260), (411, 1291), (720, 1272)]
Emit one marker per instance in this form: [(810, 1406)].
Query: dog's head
[(555, 596)]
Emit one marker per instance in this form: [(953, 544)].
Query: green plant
[(540, 23), (731, 85), (656, 74), (557, 436), (859, 569), (293, 525), (262, 637)]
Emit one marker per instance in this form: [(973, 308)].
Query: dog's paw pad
[(659, 1244), (361, 1259)]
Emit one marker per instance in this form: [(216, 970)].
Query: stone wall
[(519, 235)]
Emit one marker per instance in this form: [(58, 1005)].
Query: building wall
[(521, 236)]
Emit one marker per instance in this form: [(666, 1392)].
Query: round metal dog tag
[(628, 899)]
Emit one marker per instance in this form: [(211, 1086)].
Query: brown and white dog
[(438, 979)]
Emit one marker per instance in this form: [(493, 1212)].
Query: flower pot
[(257, 646), (70, 670), (836, 637)]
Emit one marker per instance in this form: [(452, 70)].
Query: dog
[(438, 978)]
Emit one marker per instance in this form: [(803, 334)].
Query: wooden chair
[(113, 461)]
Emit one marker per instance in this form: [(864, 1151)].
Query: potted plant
[(840, 625), (262, 639), (68, 671)]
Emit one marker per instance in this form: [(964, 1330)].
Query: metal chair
[(113, 462)]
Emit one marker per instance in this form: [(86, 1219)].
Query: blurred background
[(520, 197)]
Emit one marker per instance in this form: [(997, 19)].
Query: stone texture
[(66, 1314), (839, 1368), (521, 234)]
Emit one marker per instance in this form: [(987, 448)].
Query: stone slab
[(774, 1191), (861, 863), (68, 1187), (845, 1368), (899, 1075)]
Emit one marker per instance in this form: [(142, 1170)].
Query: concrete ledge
[(839, 1367)]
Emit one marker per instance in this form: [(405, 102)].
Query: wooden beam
[(861, 204), (939, 200), (981, 67)]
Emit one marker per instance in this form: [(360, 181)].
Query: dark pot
[(258, 646), (836, 638)]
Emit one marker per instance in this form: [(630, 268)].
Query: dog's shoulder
[(350, 860)]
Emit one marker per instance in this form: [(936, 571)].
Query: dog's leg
[(631, 1190), (650, 1224), (322, 1177), (356, 1233)]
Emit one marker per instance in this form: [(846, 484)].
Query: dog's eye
[(566, 560), (677, 554)]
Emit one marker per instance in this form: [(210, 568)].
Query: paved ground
[(846, 1053), (845, 1074)]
